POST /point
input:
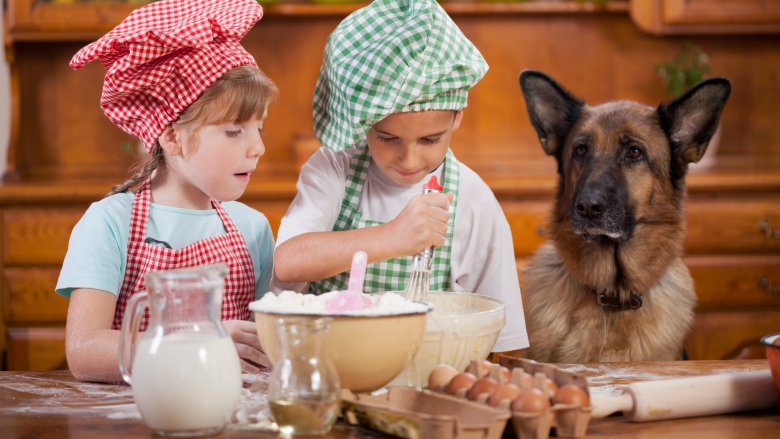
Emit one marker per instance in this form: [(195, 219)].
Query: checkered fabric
[(391, 274), (391, 56), (143, 258), (164, 55)]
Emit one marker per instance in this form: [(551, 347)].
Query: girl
[(177, 78), (391, 91)]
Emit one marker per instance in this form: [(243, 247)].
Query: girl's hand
[(244, 335), (421, 224)]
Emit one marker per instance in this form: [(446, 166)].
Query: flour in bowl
[(289, 302)]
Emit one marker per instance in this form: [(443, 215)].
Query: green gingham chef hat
[(391, 56)]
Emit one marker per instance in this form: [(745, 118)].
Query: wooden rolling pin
[(689, 397)]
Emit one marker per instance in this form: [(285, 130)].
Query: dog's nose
[(591, 204)]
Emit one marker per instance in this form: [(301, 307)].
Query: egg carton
[(422, 414), (568, 419)]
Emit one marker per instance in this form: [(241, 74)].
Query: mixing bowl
[(367, 351), (772, 343), (461, 328)]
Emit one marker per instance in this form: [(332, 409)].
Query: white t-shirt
[(97, 251), (483, 259)]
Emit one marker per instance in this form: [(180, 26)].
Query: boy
[(390, 93)]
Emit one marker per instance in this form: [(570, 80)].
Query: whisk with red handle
[(418, 286)]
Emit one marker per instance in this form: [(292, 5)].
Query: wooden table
[(54, 404)]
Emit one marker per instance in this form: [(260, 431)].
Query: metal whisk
[(419, 286)]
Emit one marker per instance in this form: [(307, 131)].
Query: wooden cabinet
[(735, 263), (64, 154), (706, 16)]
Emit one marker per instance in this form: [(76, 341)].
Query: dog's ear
[(552, 109), (690, 120)]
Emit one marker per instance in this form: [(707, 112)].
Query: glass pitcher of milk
[(184, 369)]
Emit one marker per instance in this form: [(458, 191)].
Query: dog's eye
[(580, 150), (634, 153)]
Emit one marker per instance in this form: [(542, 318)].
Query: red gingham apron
[(229, 248)]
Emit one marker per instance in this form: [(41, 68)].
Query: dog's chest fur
[(566, 324)]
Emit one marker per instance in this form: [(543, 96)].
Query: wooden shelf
[(32, 20), (690, 17)]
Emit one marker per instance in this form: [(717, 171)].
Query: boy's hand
[(421, 224), (244, 335)]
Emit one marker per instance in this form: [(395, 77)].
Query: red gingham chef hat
[(164, 55)]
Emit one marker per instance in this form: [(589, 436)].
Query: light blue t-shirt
[(97, 251)]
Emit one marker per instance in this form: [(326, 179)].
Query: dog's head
[(621, 163)]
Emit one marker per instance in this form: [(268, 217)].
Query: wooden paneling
[(733, 225), (736, 281), (36, 348), (613, 59), (726, 334), (750, 12), (677, 17), (528, 221), (37, 236), (30, 299)]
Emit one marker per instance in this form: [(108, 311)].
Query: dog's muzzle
[(599, 211)]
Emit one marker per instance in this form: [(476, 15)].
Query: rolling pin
[(689, 397)]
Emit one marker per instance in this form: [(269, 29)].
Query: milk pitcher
[(184, 369)]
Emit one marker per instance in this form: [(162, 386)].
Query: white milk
[(186, 381)]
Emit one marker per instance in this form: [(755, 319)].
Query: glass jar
[(303, 392)]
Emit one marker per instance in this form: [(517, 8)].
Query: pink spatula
[(353, 299)]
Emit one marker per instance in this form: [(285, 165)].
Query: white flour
[(253, 412), (289, 302), (65, 396)]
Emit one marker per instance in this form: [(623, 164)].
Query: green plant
[(688, 68)]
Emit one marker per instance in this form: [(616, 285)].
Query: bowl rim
[(768, 340), (428, 309), (497, 301)]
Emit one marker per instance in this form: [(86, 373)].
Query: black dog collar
[(613, 302)]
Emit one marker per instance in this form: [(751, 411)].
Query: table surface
[(54, 404)]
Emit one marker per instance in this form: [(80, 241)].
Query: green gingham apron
[(391, 274)]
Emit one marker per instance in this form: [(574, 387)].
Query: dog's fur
[(618, 224)]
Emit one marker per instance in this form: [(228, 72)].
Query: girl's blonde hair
[(239, 95)]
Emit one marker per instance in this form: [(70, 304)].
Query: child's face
[(220, 160), (408, 146)]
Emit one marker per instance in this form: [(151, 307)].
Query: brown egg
[(571, 394), (440, 376), (479, 368), (522, 378), (504, 391), (551, 386), (462, 380), (531, 401), (480, 386)]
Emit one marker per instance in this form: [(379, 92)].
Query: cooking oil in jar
[(303, 391), (305, 416)]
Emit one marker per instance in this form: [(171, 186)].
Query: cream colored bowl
[(461, 328), (367, 351)]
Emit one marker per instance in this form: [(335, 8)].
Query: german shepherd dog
[(610, 283)]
